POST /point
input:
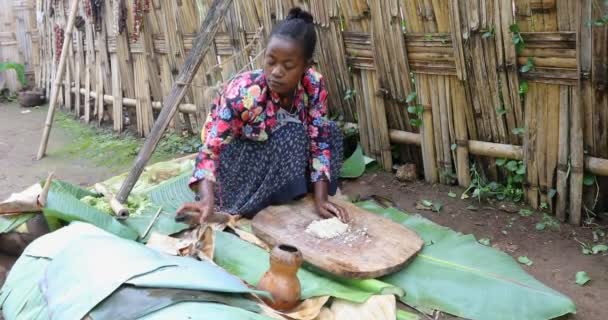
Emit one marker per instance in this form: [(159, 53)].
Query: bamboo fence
[(459, 57), (18, 40)]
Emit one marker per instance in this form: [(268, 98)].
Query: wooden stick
[(201, 45), (57, 81), (118, 208)]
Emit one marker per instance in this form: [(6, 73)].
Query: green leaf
[(411, 109), (437, 207), (354, 166), (523, 87), (540, 226), (599, 248), (512, 166), (521, 169), (451, 194), (484, 241), (440, 276), (130, 302), (514, 28), (487, 34), (419, 109), (19, 70), (404, 315), (585, 250), (416, 122), (453, 146), (10, 223), (525, 212), (528, 66), (525, 260), (250, 262), (501, 162), (411, 97), (427, 203), (73, 189), (589, 179), (501, 111), (518, 131), (582, 278), (62, 205)]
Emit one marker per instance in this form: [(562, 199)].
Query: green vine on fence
[(488, 33), (19, 69), (518, 40), (415, 109)]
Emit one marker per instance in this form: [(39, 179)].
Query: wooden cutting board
[(373, 247)]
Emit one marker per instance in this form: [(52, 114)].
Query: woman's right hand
[(195, 212), (199, 211)]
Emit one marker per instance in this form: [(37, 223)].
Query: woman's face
[(284, 65)]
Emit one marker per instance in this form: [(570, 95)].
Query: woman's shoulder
[(245, 79), (313, 75), (242, 84)]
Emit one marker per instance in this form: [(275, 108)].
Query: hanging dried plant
[(87, 8), (119, 9), (59, 37), (96, 6), (140, 7)]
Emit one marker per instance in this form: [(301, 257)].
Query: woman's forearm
[(321, 192), (205, 190)]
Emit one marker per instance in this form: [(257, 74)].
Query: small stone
[(406, 173)]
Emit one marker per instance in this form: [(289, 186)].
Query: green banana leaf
[(20, 296), (72, 189), (172, 193), (250, 262), (203, 311), (355, 165), (405, 315), (165, 223), (10, 223), (457, 275), (133, 303), (63, 205)]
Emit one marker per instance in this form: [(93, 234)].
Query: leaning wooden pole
[(57, 81), (201, 45)]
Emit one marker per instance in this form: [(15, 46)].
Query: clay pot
[(281, 279), (28, 99)]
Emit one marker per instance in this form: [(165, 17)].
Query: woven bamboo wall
[(458, 56), (18, 39)]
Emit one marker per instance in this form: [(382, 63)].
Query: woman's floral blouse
[(247, 109)]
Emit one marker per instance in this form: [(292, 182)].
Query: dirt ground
[(556, 254), (20, 135)]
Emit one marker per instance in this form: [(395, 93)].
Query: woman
[(268, 139)]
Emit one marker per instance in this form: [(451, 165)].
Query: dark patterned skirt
[(253, 175)]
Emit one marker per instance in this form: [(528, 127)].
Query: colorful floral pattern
[(247, 109)]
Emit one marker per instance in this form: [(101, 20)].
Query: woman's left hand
[(326, 208)]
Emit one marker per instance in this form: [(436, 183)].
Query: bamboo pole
[(563, 152), (120, 211), (576, 118), (201, 45), (130, 102), (57, 80)]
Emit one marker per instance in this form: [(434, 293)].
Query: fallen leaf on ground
[(525, 260), (582, 278), (484, 241)]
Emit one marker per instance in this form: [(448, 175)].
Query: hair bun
[(298, 13)]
